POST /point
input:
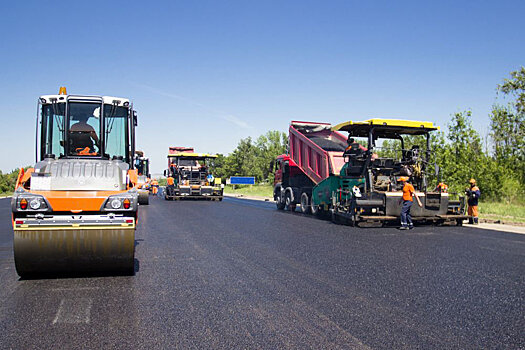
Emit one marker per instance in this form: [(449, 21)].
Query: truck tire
[(314, 209), (288, 202), (279, 202), (305, 203)]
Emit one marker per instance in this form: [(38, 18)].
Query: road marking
[(73, 289), (74, 311)]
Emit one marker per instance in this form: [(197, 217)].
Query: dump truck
[(192, 176), (352, 183), (76, 210), (144, 177), (315, 153)]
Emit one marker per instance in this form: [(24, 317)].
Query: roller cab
[(76, 210)]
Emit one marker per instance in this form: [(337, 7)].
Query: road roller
[(144, 177), (75, 211)]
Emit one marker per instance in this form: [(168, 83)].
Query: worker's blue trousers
[(406, 218)]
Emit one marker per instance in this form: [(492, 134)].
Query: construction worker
[(409, 193), (353, 144), (154, 187), (473, 194), (441, 187), (170, 185)]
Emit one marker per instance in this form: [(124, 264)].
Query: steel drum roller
[(80, 250)]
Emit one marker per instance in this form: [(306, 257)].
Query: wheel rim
[(305, 207)]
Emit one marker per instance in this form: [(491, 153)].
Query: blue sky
[(208, 73)]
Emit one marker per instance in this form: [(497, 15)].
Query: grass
[(4, 194), (502, 211), (250, 190)]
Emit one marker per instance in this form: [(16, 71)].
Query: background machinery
[(354, 183), (191, 174), (144, 177), (76, 209)]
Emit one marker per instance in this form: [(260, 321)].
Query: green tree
[(507, 132), (515, 86), (508, 135), (269, 146), (251, 158), (8, 181), (461, 158)]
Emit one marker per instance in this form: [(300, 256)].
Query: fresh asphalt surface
[(239, 274)]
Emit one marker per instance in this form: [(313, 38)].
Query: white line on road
[(73, 289), (74, 311)]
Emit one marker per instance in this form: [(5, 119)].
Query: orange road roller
[(76, 210)]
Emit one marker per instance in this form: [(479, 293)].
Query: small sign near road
[(241, 180)]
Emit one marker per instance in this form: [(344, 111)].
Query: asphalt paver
[(239, 274)]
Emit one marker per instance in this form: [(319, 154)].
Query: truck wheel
[(279, 202), (314, 209), (288, 202), (305, 203), (334, 216)]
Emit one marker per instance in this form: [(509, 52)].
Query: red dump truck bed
[(316, 149), (174, 150)]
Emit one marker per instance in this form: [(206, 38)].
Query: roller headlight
[(29, 202), (35, 204), (116, 203), (121, 202)]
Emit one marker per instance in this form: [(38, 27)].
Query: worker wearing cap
[(409, 193), (473, 194)]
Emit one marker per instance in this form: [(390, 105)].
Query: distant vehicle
[(144, 177), (192, 177), (327, 175)]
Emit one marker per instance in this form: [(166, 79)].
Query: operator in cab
[(352, 144), (83, 136)]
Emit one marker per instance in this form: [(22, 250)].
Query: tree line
[(496, 161)]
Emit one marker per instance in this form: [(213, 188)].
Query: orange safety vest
[(170, 181), (408, 189)]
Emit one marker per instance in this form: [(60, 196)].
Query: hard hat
[(472, 181), (402, 178)]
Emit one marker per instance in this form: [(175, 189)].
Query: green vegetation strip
[(505, 212), (250, 190)]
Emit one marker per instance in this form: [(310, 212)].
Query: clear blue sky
[(208, 73)]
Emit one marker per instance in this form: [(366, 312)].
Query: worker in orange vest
[(170, 188), (408, 193), (473, 194), (154, 186), (441, 187)]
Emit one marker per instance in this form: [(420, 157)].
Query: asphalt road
[(239, 274)]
